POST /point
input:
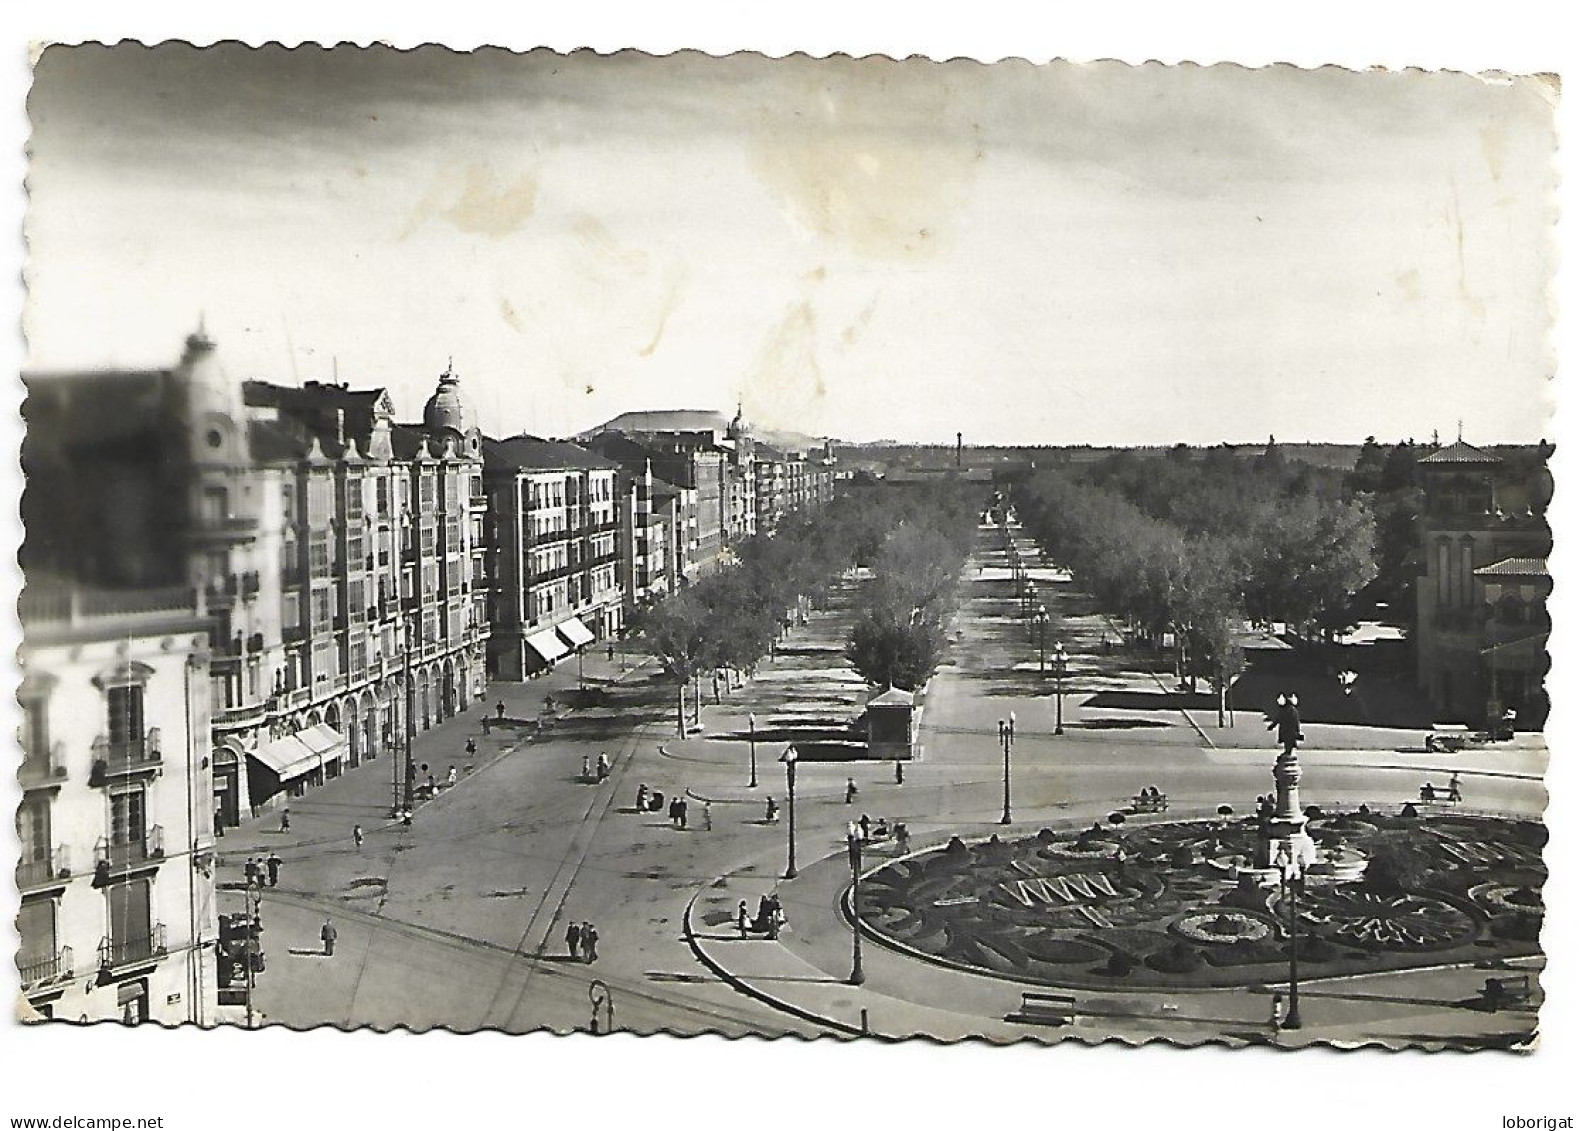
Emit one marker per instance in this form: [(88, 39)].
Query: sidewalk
[(805, 972)]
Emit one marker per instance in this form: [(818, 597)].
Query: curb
[(741, 987)]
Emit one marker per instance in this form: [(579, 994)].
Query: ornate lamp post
[(790, 759), (1291, 888), (1058, 661), (1043, 620), (753, 752), (1008, 737), (854, 851)]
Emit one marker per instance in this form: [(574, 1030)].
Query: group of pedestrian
[(770, 919), (598, 771), (263, 870), (582, 942), (678, 812)]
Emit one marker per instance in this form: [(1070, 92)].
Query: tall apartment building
[(339, 553), (556, 535), (116, 875), (693, 451), (661, 513), (367, 612), (1482, 619)]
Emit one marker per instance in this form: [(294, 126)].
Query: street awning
[(288, 757), (547, 645), (325, 741), (576, 632)]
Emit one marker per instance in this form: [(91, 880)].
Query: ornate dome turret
[(446, 411)]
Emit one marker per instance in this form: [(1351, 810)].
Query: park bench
[(1046, 1009), (1514, 989), (1149, 804), (1451, 795)]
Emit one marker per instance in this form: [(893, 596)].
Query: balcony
[(118, 951), (40, 972), (125, 759), (115, 856), (41, 873), (43, 769), (237, 718)]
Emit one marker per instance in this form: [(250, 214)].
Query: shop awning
[(325, 741), (576, 632), (288, 757), (549, 646)]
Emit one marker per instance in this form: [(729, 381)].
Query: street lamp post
[(753, 752), (1044, 624), (1058, 660), (790, 758), (854, 851), (1291, 886), (1008, 736), (409, 631)]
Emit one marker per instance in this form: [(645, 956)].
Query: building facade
[(556, 539), (116, 874), (340, 553), (1482, 622)]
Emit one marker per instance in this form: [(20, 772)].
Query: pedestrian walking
[(251, 871), (851, 790), (602, 767), (898, 773), (590, 943), (742, 917), (863, 824), (273, 864), (709, 822), (500, 710), (285, 820), (450, 777), (610, 653), (643, 798), (357, 837), (772, 812), (406, 818), (902, 839), (574, 939), (327, 936), (587, 773), (681, 812), (1275, 1013), (472, 748)]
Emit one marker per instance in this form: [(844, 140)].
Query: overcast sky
[(1068, 254)]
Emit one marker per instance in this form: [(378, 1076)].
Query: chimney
[(959, 449)]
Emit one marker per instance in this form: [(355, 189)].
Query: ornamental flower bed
[(1057, 908)]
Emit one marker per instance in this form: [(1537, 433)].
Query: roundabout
[(1171, 906)]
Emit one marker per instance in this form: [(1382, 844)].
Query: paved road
[(459, 921)]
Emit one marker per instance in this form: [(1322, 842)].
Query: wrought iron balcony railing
[(121, 854), (36, 871), (112, 758), (123, 950), (46, 969)]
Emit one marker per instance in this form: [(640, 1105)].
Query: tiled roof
[(530, 453), (1515, 567), (1459, 452)]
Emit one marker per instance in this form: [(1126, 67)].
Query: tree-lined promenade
[(1197, 545), (914, 541)]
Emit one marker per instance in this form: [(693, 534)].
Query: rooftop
[(1460, 452), (1515, 567), (531, 453)]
